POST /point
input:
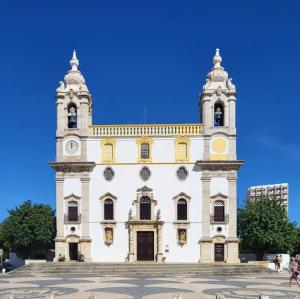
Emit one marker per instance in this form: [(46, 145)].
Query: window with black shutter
[(108, 209), (181, 209), (219, 211), (145, 208), (72, 211)]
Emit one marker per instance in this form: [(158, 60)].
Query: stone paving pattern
[(166, 287)]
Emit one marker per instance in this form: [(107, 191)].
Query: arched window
[(145, 208), (182, 151), (108, 152), (218, 115), (72, 211), (219, 211), (108, 209), (72, 116), (181, 209), (145, 151)]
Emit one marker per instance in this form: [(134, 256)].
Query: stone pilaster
[(60, 245), (131, 245), (60, 204), (232, 240), (159, 244), (85, 239), (205, 242)]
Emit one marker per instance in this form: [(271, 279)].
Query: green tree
[(263, 227), (297, 247), (29, 229)]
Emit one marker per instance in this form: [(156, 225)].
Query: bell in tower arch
[(72, 117), (218, 115)]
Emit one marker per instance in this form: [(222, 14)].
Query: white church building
[(147, 192)]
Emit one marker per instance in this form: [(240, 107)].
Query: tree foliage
[(263, 227), (29, 229)]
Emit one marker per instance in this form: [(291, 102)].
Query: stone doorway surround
[(135, 226)]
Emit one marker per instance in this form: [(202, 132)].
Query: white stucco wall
[(165, 185)]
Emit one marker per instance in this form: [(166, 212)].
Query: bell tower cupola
[(217, 109), (74, 108)]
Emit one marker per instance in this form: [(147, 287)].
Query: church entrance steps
[(137, 269)]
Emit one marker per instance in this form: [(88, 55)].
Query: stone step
[(152, 269)]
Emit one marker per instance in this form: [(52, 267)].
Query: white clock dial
[(72, 147)]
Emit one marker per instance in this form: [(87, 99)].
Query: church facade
[(161, 193)]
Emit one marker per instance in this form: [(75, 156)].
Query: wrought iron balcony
[(76, 219), (215, 220)]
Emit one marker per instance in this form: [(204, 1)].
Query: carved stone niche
[(181, 236), (108, 235)]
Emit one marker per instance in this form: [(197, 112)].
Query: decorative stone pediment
[(144, 189), (182, 195), (219, 195), (72, 196), (108, 195)]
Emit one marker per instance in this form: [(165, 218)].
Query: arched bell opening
[(72, 116), (219, 114)]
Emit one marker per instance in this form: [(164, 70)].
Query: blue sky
[(153, 53)]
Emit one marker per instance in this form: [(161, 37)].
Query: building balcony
[(74, 219), (216, 220)]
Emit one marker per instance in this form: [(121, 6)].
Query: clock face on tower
[(72, 147)]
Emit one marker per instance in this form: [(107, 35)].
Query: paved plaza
[(165, 287)]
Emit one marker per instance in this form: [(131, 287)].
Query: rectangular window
[(108, 152), (145, 153), (182, 151)]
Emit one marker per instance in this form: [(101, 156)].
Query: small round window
[(108, 173), (182, 173), (145, 173)]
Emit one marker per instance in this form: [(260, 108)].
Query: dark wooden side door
[(73, 251), (219, 252), (145, 246)]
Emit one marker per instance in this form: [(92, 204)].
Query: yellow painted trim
[(186, 140), (219, 145), (140, 141), (104, 142), (146, 130), (218, 157)]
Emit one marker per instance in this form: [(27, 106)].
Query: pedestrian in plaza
[(275, 261), (279, 263), (294, 271)]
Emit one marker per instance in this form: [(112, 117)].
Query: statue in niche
[(108, 235), (181, 236)]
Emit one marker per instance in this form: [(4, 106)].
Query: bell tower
[(74, 109), (74, 115), (219, 164)]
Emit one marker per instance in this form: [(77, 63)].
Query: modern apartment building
[(275, 191)]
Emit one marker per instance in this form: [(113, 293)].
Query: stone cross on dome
[(217, 59), (74, 62)]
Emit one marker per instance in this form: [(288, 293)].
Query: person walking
[(294, 271), (279, 263), (275, 260)]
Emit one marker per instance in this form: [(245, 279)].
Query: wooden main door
[(145, 246), (219, 252), (73, 251)]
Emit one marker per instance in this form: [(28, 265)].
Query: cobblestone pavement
[(184, 287)]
